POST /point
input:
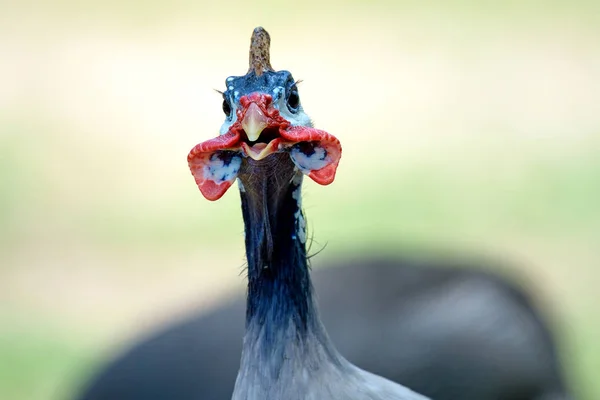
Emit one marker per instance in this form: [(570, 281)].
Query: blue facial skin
[(276, 84)]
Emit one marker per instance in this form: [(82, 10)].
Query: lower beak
[(254, 122), (261, 150)]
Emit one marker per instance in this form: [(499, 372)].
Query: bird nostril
[(262, 99), (268, 99)]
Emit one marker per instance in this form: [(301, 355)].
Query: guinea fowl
[(268, 143)]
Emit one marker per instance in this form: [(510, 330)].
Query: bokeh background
[(468, 126)]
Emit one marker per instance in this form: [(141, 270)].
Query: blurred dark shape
[(445, 329)]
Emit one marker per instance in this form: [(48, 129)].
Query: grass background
[(467, 126)]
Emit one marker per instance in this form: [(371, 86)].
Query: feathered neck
[(278, 280), (283, 329)]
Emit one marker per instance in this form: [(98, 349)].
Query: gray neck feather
[(287, 354)]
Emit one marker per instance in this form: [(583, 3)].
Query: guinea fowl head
[(266, 132)]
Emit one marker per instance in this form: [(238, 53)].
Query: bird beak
[(254, 122)]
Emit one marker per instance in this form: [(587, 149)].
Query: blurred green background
[(467, 125)]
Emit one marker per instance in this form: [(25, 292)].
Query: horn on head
[(259, 51)]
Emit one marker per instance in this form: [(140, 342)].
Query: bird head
[(264, 120)]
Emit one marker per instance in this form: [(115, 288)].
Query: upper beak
[(254, 122)]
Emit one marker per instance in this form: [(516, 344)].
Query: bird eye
[(226, 108), (293, 101)]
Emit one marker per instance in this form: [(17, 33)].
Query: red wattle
[(325, 175), (213, 191), (199, 157)]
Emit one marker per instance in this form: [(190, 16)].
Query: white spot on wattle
[(216, 170), (313, 162)]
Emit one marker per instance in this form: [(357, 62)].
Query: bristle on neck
[(259, 51)]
